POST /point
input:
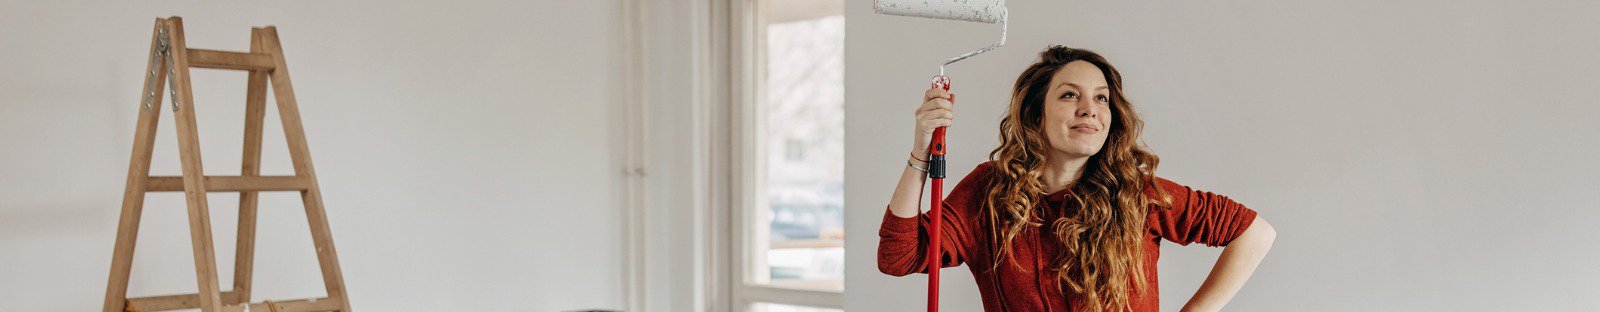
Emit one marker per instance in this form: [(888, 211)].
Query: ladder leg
[(254, 115), (138, 173), (299, 153), (205, 259)]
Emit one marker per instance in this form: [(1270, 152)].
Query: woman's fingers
[(934, 119), (936, 112), (933, 104), (934, 93)]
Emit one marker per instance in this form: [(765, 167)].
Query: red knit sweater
[(1195, 217)]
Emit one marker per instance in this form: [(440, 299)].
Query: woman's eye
[(1069, 94), (1102, 99)]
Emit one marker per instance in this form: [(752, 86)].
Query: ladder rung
[(175, 302), (230, 60), (231, 183), (302, 305)]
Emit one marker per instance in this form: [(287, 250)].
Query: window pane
[(773, 307), (803, 142)]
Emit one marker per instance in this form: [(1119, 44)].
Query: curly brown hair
[(1104, 256)]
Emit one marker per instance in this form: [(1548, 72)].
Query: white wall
[(674, 34), (465, 150), (1415, 156)]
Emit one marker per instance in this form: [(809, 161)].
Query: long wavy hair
[(1104, 254)]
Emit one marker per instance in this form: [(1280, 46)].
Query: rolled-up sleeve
[(1197, 216), (903, 242)]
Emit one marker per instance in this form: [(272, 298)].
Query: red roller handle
[(936, 151)]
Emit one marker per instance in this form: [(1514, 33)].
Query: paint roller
[(984, 11)]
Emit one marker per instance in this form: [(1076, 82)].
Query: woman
[(1068, 214)]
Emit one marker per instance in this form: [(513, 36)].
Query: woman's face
[(1077, 110)]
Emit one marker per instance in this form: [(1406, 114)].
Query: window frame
[(747, 45)]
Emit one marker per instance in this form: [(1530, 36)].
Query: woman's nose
[(1085, 109)]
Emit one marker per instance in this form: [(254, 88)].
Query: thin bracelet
[(908, 164), (914, 156)]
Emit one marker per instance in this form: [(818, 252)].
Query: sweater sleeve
[(903, 242), (1197, 216)]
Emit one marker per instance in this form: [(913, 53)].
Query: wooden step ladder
[(170, 60)]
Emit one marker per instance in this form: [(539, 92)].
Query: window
[(803, 108), (793, 214)]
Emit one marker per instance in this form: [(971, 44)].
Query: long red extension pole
[(936, 211)]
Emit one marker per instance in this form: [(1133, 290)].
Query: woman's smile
[(1084, 128)]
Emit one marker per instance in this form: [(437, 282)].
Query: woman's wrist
[(921, 158), (917, 163)]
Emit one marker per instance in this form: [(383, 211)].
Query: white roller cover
[(987, 11)]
